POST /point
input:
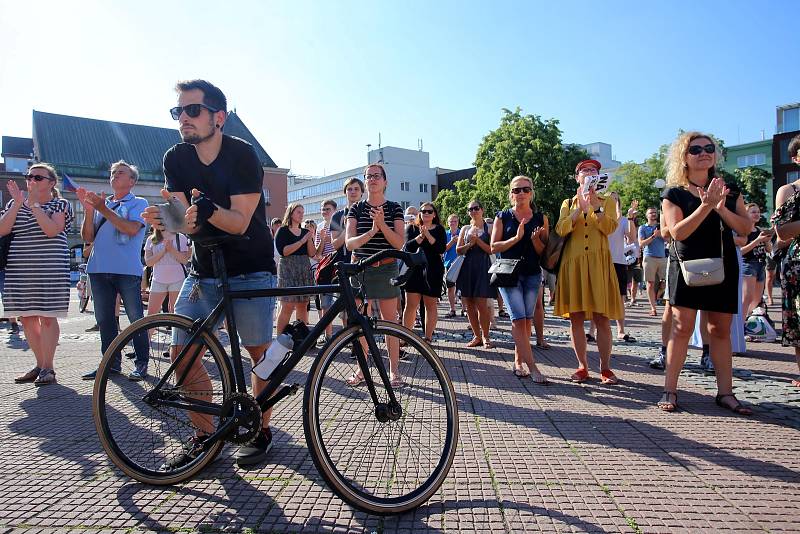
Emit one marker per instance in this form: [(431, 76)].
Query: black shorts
[(622, 277)]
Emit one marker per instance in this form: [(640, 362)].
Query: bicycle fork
[(384, 411)]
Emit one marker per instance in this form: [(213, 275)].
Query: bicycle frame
[(270, 395)]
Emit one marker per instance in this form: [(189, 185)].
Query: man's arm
[(235, 220)]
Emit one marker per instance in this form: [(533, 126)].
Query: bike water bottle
[(273, 356), (122, 237)]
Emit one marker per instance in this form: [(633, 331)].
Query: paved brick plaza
[(560, 458)]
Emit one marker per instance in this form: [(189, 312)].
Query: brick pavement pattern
[(531, 458)]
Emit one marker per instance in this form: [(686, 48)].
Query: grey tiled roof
[(87, 147), (17, 146)]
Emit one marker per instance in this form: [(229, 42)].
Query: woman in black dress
[(425, 285), (700, 212), (473, 278)]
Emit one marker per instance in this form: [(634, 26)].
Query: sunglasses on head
[(36, 177), (427, 212), (474, 208), (518, 190), (695, 150), (192, 110)]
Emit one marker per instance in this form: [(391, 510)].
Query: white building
[(411, 181), (602, 153)]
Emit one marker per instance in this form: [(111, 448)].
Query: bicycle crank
[(246, 414)]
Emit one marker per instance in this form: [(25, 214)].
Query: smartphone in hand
[(173, 215)]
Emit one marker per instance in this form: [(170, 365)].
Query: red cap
[(586, 162)]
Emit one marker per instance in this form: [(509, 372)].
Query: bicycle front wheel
[(142, 435), (381, 467)]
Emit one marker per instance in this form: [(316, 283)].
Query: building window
[(423, 188), (792, 176), (751, 160), (405, 186), (405, 204), (790, 120)]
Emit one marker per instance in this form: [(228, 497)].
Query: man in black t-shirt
[(223, 177)]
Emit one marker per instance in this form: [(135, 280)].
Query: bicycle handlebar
[(413, 261)]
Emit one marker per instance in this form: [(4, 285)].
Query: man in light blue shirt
[(654, 259), (115, 227), (450, 256)]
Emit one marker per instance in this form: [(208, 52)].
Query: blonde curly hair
[(677, 169)]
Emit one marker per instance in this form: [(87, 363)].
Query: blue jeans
[(105, 287), (253, 316), (521, 299)]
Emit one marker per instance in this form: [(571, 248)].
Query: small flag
[(67, 184)]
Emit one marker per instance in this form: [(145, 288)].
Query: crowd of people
[(489, 263)]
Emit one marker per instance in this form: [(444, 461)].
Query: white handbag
[(705, 271), (454, 269)]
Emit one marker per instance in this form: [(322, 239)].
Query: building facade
[(756, 154), (411, 181)]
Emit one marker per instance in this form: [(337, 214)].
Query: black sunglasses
[(474, 208), (192, 110), (427, 212), (518, 190), (36, 177), (695, 150)]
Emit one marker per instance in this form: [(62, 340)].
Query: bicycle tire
[(140, 438), (338, 418), (84, 300)]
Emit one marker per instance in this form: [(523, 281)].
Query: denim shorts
[(253, 316), (754, 268), (521, 299), (326, 300)]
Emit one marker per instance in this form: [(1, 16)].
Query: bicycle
[(84, 288), (381, 449)]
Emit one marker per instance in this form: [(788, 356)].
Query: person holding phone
[(587, 287), (754, 261)]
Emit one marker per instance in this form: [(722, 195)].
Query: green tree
[(522, 144), (636, 181), (753, 181)]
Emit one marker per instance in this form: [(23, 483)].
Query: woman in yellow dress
[(587, 286)]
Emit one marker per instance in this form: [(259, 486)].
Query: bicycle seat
[(212, 241)]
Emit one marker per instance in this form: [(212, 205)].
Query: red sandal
[(581, 375)]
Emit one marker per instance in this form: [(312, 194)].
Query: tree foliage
[(636, 181), (522, 144)]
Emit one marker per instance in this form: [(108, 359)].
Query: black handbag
[(5, 246), (505, 272)]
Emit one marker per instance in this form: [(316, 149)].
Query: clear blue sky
[(316, 81)]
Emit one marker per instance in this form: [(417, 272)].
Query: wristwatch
[(599, 210)]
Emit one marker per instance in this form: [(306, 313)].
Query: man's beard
[(194, 138)]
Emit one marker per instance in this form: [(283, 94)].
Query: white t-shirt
[(168, 270), (616, 241)]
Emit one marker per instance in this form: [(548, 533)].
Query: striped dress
[(37, 274)]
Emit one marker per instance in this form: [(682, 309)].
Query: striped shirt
[(37, 274), (323, 229), (360, 211)]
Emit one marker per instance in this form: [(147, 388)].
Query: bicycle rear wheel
[(381, 468), (84, 296), (142, 436)]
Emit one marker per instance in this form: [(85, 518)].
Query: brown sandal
[(667, 405), (476, 341)]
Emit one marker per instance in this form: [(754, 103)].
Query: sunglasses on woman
[(695, 150), (192, 110), (474, 208), (427, 212), (36, 177), (518, 190)]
